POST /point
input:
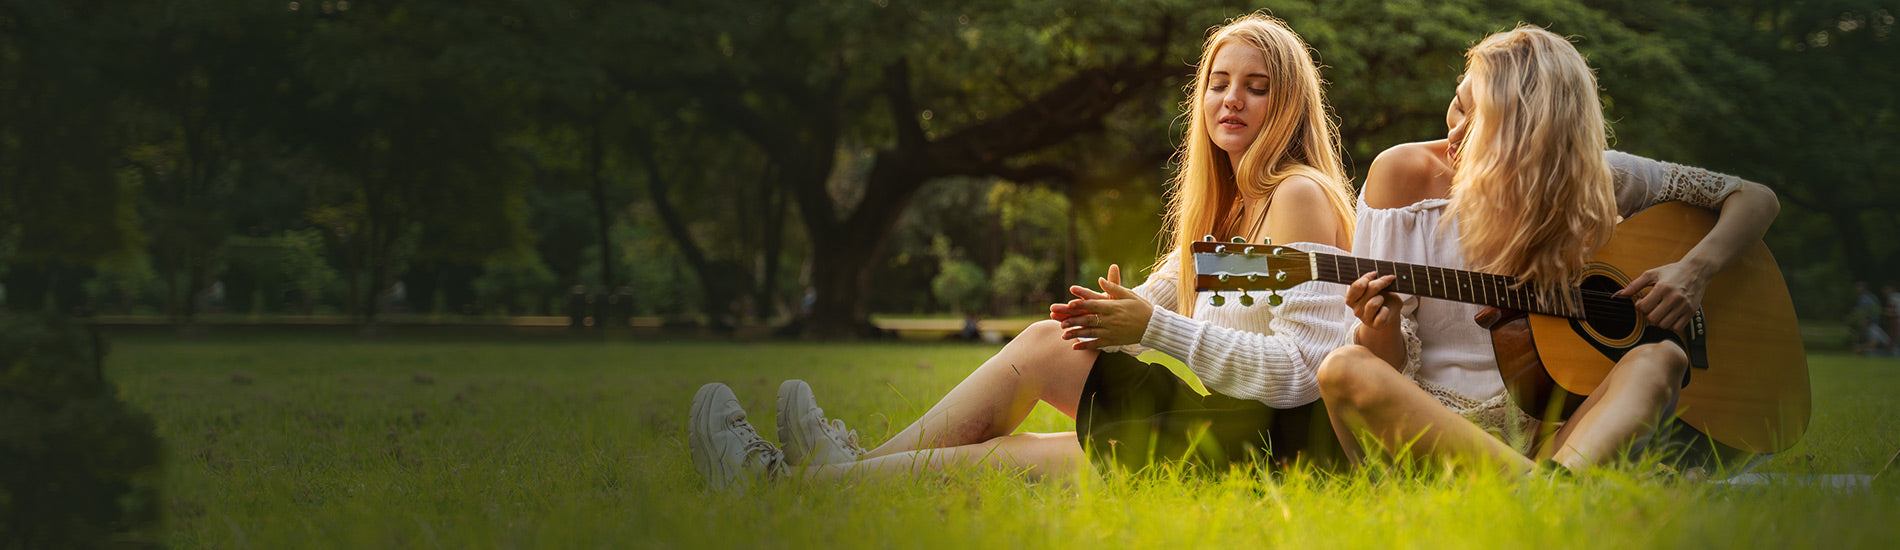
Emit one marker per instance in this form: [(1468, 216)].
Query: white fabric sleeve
[(1641, 183), (1278, 369), (1160, 288)]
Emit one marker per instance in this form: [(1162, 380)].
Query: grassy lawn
[(315, 440)]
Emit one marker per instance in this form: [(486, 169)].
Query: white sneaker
[(808, 437), (727, 451)]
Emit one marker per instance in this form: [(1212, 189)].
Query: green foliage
[(287, 270), (515, 286), (77, 466), (961, 285), (808, 144), (1022, 284)]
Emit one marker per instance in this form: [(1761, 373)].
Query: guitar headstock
[(1242, 266)]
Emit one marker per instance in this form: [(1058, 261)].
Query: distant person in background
[(577, 306), (1260, 160), (971, 330), (1864, 321), (1890, 316)]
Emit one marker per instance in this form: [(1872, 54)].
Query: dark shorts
[(1136, 414)]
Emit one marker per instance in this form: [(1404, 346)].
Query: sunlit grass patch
[(341, 442)]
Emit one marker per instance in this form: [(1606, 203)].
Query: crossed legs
[(1368, 397)]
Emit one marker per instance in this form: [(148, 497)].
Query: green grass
[(295, 440)]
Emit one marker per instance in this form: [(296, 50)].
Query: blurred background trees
[(803, 164)]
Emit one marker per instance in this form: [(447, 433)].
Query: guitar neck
[(1435, 282)]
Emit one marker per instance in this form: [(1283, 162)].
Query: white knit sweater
[(1261, 352)]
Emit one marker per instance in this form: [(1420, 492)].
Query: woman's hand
[(1376, 308), (1676, 298), (1114, 317)]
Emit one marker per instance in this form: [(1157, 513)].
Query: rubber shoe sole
[(793, 396), (706, 460)]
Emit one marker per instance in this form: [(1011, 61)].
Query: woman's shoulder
[(1406, 174), (1302, 196), (1303, 211)]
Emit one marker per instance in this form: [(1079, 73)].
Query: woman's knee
[(1664, 361), (1345, 374), (1042, 332), (1040, 353)]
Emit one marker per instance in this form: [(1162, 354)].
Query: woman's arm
[(1402, 175), (1744, 214), (1278, 369)]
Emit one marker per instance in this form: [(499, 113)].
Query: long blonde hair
[(1299, 138), (1531, 192)]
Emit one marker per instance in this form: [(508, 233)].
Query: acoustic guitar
[(1748, 382)]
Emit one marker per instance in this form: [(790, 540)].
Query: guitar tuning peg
[(1268, 241), (1246, 251), (1246, 299), (1273, 298), (1207, 238), (1281, 276), (1237, 240), (1217, 300), (1220, 250), (1223, 277), (1279, 252)]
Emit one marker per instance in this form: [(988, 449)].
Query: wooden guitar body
[(1748, 381)]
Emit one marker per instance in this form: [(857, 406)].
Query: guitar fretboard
[(1436, 282)]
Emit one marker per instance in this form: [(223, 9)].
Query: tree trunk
[(713, 279), (840, 275), (1854, 246), (774, 240), (601, 223)]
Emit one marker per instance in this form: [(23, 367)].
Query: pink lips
[(1232, 121)]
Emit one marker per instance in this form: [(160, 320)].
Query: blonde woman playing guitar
[(1523, 186)]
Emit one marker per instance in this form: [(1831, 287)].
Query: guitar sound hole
[(1614, 318)]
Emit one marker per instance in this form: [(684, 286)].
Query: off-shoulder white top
[(1447, 353)]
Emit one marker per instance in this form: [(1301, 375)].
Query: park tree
[(934, 90), (413, 106), (63, 203), (212, 80), (1807, 107)]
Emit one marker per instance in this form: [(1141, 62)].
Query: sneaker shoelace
[(845, 437), (757, 448)]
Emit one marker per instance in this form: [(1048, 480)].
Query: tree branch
[(910, 133)]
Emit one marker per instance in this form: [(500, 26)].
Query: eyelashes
[(1223, 88)]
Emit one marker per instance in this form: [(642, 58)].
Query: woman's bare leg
[(1037, 366), (1036, 456), (1625, 410), (1365, 395)]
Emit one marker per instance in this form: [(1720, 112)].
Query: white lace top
[(1262, 352), (1447, 353)]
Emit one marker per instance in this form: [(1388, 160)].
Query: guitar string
[(1487, 285)]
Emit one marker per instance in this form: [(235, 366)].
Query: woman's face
[(1455, 117), (1235, 102)]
